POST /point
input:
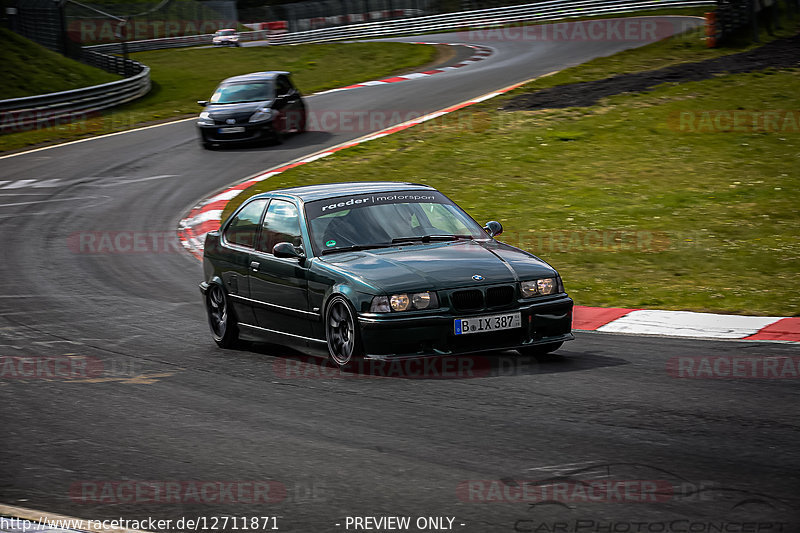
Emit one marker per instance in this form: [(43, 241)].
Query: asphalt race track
[(162, 404)]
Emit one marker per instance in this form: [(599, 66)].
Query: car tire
[(221, 317), (542, 351), (277, 135), (301, 128), (342, 333)]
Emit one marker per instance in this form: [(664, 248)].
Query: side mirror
[(493, 228), (202, 103), (286, 250)]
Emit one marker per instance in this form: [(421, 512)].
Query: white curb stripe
[(688, 324)]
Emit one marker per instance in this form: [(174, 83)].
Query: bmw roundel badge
[(477, 277)]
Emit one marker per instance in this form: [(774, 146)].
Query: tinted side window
[(281, 224), (243, 228), (283, 85)]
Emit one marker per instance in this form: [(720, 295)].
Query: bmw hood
[(440, 266)]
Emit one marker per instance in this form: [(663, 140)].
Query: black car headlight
[(205, 119), (539, 287), (261, 115), (404, 302)]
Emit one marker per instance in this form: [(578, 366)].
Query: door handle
[(254, 266)]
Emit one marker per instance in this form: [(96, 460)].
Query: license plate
[(482, 324), (234, 129)]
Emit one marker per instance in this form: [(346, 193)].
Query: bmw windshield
[(380, 220)]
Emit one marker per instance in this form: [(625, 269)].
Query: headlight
[(421, 300), (539, 287), (404, 302), (261, 115), (399, 302), (380, 304), (205, 119)]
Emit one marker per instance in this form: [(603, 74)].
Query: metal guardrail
[(477, 19), (53, 109)]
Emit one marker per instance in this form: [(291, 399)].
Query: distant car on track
[(257, 107), (376, 270), (226, 37)]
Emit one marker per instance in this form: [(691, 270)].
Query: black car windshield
[(236, 93), (226, 32), (385, 219)]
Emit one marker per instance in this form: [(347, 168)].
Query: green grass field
[(633, 210), (30, 69), (182, 76)]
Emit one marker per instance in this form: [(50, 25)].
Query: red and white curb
[(481, 52), (686, 324), (206, 215)]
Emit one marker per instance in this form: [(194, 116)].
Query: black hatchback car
[(258, 107), (376, 270)]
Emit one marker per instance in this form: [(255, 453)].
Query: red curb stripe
[(785, 329), (205, 227), (393, 80), (395, 129), (459, 106), (432, 71), (591, 318), (333, 150), (219, 204)]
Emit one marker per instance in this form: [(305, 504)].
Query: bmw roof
[(309, 193)]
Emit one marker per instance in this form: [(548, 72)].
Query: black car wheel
[(341, 332), (221, 318), (278, 135), (301, 127), (541, 350)]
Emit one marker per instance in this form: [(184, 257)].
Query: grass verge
[(29, 67), (634, 209), (182, 76)]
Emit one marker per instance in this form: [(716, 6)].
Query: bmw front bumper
[(391, 335)]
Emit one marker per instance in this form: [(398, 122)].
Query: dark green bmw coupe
[(377, 270)]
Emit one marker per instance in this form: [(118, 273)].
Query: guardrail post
[(711, 29)]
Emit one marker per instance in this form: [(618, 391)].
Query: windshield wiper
[(430, 238), (354, 247)]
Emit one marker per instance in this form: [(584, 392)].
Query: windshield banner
[(333, 205)]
